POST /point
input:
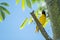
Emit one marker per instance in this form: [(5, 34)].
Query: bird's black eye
[(43, 12)]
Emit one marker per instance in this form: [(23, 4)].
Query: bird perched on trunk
[(42, 20)]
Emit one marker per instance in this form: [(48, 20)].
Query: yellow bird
[(42, 20)]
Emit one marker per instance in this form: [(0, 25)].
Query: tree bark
[(44, 33), (54, 14)]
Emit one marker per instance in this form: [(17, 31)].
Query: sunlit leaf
[(31, 20), (28, 3), (36, 13), (33, 1), (24, 23), (4, 3), (3, 15), (4, 9), (1, 19), (47, 21), (17, 2), (23, 4)]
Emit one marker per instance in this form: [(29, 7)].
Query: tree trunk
[(54, 14)]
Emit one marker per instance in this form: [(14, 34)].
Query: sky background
[(10, 27)]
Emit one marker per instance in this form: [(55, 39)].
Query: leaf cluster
[(3, 10)]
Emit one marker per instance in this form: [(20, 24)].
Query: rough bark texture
[(44, 33), (54, 13)]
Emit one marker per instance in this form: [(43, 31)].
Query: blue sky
[(10, 27)]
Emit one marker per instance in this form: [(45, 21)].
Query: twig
[(44, 33)]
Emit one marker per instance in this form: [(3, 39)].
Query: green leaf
[(3, 15), (40, 8), (24, 23), (42, 0), (1, 18), (31, 20), (4, 9), (28, 3), (4, 3), (17, 2), (33, 1), (23, 4), (36, 13), (38, 0)]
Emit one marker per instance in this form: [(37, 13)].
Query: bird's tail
[(37, 29)]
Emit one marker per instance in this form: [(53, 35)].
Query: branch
[(44, 33)]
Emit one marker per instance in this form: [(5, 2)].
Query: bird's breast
[(42, 19)]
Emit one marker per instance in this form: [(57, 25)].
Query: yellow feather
[(47, 20)]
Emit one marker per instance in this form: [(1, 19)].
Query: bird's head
[(43, 12)]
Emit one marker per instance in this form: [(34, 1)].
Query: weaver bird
[(42, 20)]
